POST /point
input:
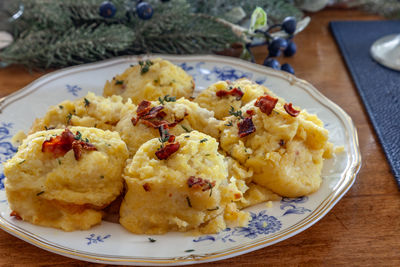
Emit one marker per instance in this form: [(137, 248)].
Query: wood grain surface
[(363, 229)]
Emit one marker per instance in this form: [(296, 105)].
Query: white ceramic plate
[(110, 242)]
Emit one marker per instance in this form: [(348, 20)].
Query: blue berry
[(286, 67), (290, 49), (283, 43), (272, 63), (274, 47), (144, 10), (107, 9), (289, 25)]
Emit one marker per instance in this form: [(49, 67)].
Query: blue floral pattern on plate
[(93, 239), (290, 205), (73, 89), (7, 150), (218, 73), (260, 224)]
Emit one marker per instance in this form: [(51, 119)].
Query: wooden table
[(362, 229)]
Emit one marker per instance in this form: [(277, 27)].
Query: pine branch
[(193, 34), (43, 49)]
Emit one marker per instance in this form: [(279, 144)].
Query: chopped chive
[(152, 240), (189, 250), (21, 162), (185, 128), (188, 201), (119, 82), (216, 208), (203, 140), (61, 107), (229, 123), (59, 161), (87, 102), (41, 192), (101, 176), (69, 117)]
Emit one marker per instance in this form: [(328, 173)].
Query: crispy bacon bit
[(153, 124), (143, 108), (16, 215), (147, 114), (153, 112), (59, 145), (250, 112), (168, 150), (63, 143), (290, 110), (266, 103), (79, 145), (197, 182), (134, 121), (237, 195), (146, 187), (171, 139), (234, 92), (246, 127)]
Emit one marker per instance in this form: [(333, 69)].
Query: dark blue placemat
[(379, 87)]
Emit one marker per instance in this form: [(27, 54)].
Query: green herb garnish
[(59, 161), (229, 123), (87, 102), (78, 136), (166, 98), (145, 66), (164, 136), (236, 113), (41, 192), (203, 140), (185, 128), (21, 161), (69, 117), (101, 176), (188, 201), (119, 82), (60, 107), (152, 240), (189, 250), (216, 208)]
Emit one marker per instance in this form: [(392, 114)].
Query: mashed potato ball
[(63, 178), (149, 80), (89, 111), (285, 152), (223, 94), (189, 190), (182, 115)]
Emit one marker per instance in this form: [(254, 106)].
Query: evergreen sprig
[(52, 34), (42, 49)]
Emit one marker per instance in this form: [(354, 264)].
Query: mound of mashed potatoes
[(50, 184), (221, 95), (285, 152), (188, 190), (89, 111), (149, 80)]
